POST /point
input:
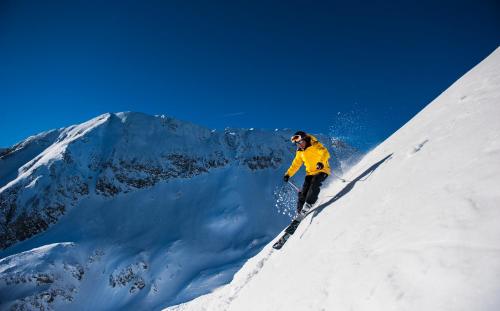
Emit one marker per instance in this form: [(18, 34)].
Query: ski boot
[(306, 208), (303, 212)]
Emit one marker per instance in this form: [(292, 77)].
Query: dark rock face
[(21, 226), (263, 162), (119, 176), (129, 276)]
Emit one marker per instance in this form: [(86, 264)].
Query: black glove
[(319, 166), (286, 178)]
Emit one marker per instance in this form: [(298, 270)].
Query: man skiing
[(314, 156)]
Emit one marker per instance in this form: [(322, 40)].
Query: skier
[(314, 156)]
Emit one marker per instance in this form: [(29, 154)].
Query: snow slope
[(418, 228), (18, 155)]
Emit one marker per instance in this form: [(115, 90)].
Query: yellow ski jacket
[(310, 157)]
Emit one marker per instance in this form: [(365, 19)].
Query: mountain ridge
[(120, 205)]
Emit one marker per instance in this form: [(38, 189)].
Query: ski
[(291, 229)]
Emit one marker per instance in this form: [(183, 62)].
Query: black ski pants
[(310, 190)]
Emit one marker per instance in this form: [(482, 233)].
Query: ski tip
[(279, 244)]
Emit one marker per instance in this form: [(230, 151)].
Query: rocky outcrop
[(53, 276), (129, 276)]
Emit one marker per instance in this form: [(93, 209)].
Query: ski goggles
[(296, 139)]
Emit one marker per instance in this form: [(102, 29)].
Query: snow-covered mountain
[(135, 211), (417, 228)]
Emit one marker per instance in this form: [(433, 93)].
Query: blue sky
[(363, 68)]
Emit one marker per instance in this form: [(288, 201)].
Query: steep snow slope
[(418, 228), (15, 157), (134, 211)]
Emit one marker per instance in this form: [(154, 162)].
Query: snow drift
[(417, 228)]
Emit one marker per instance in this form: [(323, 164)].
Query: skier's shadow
[(349, 186)]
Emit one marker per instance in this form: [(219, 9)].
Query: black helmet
[(298, 136)]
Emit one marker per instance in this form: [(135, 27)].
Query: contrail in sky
[(234, 114)]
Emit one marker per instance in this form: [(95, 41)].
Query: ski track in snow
[(258, 267)]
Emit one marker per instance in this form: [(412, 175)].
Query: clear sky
[(364, 67)]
